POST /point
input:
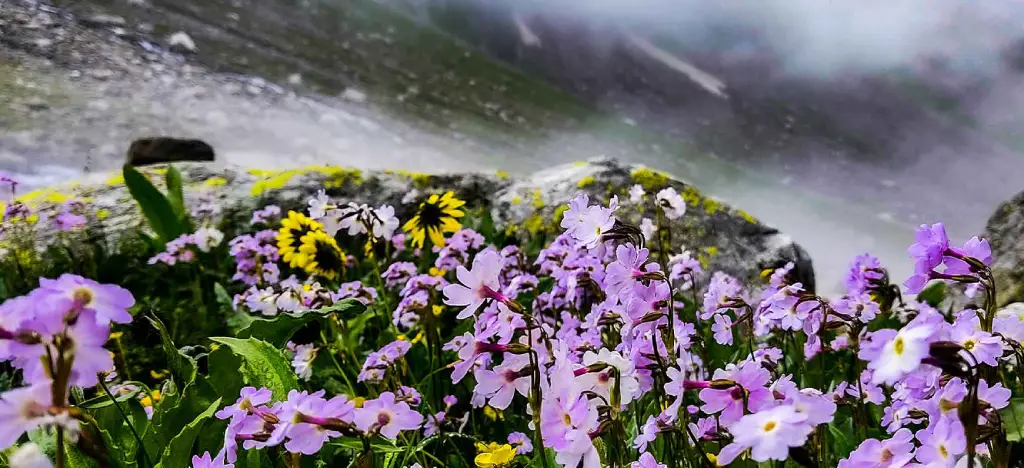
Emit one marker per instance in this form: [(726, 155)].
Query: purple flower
[(502, 383), (586, 223), (983, 346), (433, 423), (891, 453), (721, 289), (450, 400), (941, 443), (769, 434), (894, 354), (268, 215), (648, 432), (625, 271), (398, 273), (946, 401), (207, 462), (109, 302), (975, 248), (931, 244), (521, 442), (647, 461), (249, 398), (864, 270), (386, 417), (750, 378), (858, 306), (22, 410), (996, 396), (722, 329), (478, 284), (782, 307)]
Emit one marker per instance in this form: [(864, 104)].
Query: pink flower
[(892, 453), (385, 416), (941, 443), (769, 434), (586, 223), (722, 329), (521, 443), (750, 378), (478, 284)]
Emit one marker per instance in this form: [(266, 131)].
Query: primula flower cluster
[(55, 335)]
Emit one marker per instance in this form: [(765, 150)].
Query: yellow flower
[(494, 455), (493, 414), (435, 271), (435, 217), (151, 398), (322, 256), (358, 401), (437, 310), (289, 238)]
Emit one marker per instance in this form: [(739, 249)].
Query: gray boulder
[(722, 237), (1005, 233)]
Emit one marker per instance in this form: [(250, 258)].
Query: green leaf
[(280, 328), (263, 365), (154, 205), (172, 416), (1013, 419), (116, 433), (356, 444), (104, 401), (182, 367), (223, 298), (175, 192), (933, 295), (179, 451)]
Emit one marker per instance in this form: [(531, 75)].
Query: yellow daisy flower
[(322, 255), (289, 238), (494, 455), (435, 217)]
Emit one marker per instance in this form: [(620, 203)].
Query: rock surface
[(1005, 233), (721, 237)]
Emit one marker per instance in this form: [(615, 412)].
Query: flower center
[(82, 296), (383, 419), (769, 426), (567, 419), (947, 406), (898, 345), (943, 451), (887, 455), (969, 344)]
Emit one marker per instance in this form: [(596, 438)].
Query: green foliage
[(933, 295), (263, 365), (1013, 419), (182, 367), (156, 207), (179, 450), (73, 457), (280, 328)]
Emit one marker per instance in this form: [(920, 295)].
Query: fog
[(815, 37)]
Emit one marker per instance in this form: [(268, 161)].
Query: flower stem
[(131, 427)]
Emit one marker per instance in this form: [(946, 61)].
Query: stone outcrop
[(722, 237)]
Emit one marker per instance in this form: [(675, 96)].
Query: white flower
[(303, 360), (384, 222), (29, 456), (902, 354), (648, 228), (319, 205), (601, 382), (671, 202), (207, 238), (587, 223), (636, 193), (769, 434)]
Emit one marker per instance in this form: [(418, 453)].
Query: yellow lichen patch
[(102, 214), (746, 216), (712, 206), (534, 224), (276, 180), (501, 175), (559, 213), (116, 179), (538, 199), (420, 180), (215, 181), (585, 182), (579, 163), (516, 200), (43, 196), (692, 196), (649, 179)]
